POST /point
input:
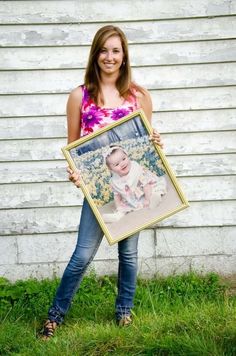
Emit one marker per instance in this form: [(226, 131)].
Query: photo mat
[(125, 177)]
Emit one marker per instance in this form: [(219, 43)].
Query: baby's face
[(119, 163)]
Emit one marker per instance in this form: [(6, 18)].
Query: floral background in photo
[(96, 175)]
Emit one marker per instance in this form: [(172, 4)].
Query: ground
[(231, 281)]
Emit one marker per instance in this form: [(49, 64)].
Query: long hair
[(92, 73)]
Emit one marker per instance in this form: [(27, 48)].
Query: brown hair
[(92, 74)]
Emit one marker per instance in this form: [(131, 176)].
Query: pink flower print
[(119, 113), (91, 118)]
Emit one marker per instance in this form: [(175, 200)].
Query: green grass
[(180, 315)]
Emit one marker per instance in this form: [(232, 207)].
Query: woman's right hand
[(74, 177)]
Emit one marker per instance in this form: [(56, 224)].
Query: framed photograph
[(125, 177)]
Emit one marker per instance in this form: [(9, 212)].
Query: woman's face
[(111, 56), (119, 163)]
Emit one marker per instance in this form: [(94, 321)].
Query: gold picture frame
[(152, 192)]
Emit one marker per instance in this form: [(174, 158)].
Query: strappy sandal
[(48, 329), (125, 321)]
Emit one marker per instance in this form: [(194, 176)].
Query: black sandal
[(48, 329), (126, 320)]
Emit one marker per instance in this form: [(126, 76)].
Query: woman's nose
[(109, 55)]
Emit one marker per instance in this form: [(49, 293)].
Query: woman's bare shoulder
[(142, 93), (75, 98), (76, 93)]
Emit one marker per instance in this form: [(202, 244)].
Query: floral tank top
[(94, 117)]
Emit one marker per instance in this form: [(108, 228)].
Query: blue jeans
[(89, 238)]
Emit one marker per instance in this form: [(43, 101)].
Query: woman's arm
[(73, 126), (145, 103), (73, 114)]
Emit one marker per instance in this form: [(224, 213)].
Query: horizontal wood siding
[(184, 52), (71, 11)]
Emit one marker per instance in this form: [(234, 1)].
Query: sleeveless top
[(94, 117)]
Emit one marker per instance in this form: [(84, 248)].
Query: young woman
[(106, 95)]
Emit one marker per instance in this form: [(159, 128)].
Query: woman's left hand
[(156, 138)]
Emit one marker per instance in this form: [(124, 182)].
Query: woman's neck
[(108, 79), (110, 94)]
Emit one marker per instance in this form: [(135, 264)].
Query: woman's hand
[(156, 138), (74, 177)]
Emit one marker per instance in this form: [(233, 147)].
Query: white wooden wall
[(184, 51)]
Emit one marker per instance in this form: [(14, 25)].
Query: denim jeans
[(89, 238)]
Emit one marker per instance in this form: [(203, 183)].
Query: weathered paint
[(64, 57), (55, 171), (137, 32), (63, 219), (153, 77), (27, 195), (163, 100), (72, 11), (176, 144), (164, 122)]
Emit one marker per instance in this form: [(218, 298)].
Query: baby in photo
[(134, 186)]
